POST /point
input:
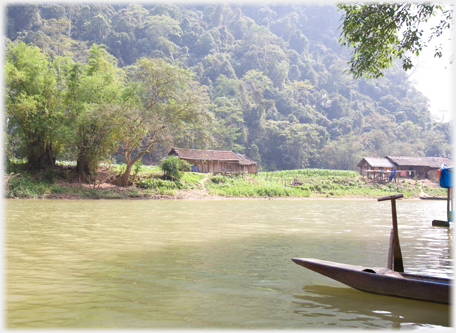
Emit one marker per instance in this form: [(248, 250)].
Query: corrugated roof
[(214, 155), (378, 162), (433, 162)]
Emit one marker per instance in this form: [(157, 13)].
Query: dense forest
[(275, 76)]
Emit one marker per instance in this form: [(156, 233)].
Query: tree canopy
[(380, 33), (170, 105), (34, 103)]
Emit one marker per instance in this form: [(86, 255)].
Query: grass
[(436, 192), (315, 183)]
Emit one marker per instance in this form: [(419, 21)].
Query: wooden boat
[(391, 280), (433, 198), (382, 281)]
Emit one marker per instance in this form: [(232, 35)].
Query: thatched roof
[(377, 162), (211, 155), (433, 162)]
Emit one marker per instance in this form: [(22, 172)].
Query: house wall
[(221, 166), (421, 172), (432, 174), (252, 169)]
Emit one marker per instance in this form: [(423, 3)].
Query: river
[(214, 263)]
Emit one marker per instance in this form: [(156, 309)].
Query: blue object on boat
[(446, 176)]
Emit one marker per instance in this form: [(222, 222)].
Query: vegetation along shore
[(152, 182)]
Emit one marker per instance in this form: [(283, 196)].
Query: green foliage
[(158, 184), (142, 168), (34, 103), (381, 33), (217, 179), (25, 187), (138, 167), (315, 183), (308, 173), (94, 95), (436, 192), (173, 167), (171, 106), (193, 178)]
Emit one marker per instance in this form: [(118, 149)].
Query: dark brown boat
[(390, 280), (433, 198), (382, 281)]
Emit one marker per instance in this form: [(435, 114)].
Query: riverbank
[(147, 182)]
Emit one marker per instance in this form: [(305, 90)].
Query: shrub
[(217, 179), (173, 167), (137, 168), (156, 184), (25, 187)]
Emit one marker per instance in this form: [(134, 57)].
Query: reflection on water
[(352, 306), (214, 264)]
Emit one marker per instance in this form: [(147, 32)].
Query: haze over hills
[(275, 73)]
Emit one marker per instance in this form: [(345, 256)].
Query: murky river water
[(213, 264)]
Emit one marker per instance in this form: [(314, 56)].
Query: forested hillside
[(275, 76)]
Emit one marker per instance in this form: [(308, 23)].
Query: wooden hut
[(421, 167), (376, 167), (216, 161), (375, 163)]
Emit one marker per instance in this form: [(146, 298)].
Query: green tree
[(34, 103), (173, 167), (343, 153), (21, 18), (228, 130), (257, 79), (94, 95), (171, 105), (379, 33)]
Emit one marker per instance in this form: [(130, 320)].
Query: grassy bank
[(62, 182), (307, 183)]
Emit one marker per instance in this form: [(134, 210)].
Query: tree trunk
[(82, 169), (123, 180), (38, 157), (83, 165)]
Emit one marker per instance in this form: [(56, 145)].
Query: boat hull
[(383, 280), (433, 198)]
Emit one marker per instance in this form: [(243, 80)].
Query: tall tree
[(34, 96), (379, 33), (94, 94), (170, 106)]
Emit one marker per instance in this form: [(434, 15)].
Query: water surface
[(213, 264)]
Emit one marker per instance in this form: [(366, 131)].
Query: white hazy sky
[(435, 77)]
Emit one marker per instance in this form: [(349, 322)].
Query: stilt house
[(375, 163), (420, 167), (376, 167), (424, 167)]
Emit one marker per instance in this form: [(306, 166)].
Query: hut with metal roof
[(375, 163), (410, 167), (376, 167), (424, 167), (216, 161)]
